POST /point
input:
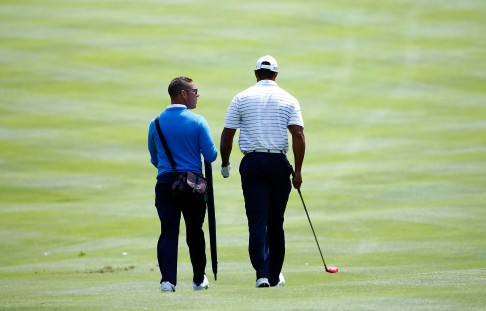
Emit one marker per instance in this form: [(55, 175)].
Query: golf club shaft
[(312, 227)]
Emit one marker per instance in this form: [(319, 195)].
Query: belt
[(264, 151)]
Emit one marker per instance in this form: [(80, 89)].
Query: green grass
[(394, 102)]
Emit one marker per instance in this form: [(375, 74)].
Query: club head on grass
[(332, 269)]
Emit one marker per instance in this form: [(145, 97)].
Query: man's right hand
[(297, 180)]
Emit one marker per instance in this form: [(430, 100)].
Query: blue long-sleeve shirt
[(188, 137)]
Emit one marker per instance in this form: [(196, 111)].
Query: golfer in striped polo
[(264, 113)]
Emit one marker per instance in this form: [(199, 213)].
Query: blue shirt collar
[(173, 106)]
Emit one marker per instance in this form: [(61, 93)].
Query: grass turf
[(393, 97)]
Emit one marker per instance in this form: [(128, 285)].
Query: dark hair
[(178, 84), (265, 74)]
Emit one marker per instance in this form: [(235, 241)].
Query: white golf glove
[(225, 171)]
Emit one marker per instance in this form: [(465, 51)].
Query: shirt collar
[(176, 106), (267, 82)]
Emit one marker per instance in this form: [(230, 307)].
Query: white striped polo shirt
[(263, 113)]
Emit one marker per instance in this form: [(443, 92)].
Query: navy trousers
[(169, 210), (266, 184)]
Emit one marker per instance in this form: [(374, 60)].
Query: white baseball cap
[(272, 63)]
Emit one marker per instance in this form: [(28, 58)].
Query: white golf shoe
[(204, 285), (262, 282), (281, 281), (167, 287)]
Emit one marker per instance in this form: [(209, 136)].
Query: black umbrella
[(211, 218)]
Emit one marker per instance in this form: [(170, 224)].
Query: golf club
[(330, 269)]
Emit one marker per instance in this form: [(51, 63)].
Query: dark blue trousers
[(169, 210), (266, 184)]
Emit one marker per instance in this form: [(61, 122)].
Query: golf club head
[(332, 269)]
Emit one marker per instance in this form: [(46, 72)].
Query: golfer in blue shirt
[(188, 137)]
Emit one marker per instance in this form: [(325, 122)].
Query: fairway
[(393, 95)]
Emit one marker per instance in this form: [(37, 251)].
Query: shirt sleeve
[(296, 115), (208, 149), (151, 145), (232, 119)]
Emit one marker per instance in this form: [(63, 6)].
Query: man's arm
[(226, 145), (298, 148), (207, 145), (151, 147)]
